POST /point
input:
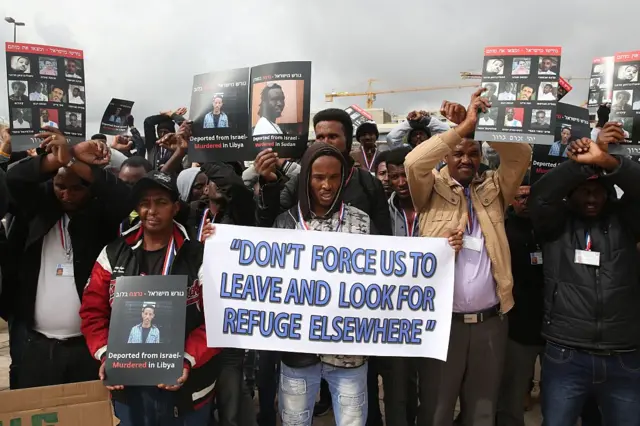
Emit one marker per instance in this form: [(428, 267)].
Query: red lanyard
[(366, 162), (588, 240), (203, 222), (410, 228)]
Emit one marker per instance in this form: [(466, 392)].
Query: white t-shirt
[(57, 301), (24, 125), (76, 100), (266, 127), (546, 97), (506, 96), (512, 123)]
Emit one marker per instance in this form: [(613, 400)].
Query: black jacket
[(525, 319), (589, 307), (37, 210), (363, 192)]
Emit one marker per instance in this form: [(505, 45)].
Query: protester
[(525, 319), (321, 186), (66, 208), (400, 374), (417, 128), (362, 190), (445, 200), (156, 246), (132, 170), (380, 167), (591, 317), (165, 123), (191, 184), (366, 134)]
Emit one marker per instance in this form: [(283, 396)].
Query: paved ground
[(532, 417)]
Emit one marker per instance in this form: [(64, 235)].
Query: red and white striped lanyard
[(410, 228), (373, 160), (346, 182), (169, 257), (303, 223), (65, 237), (203, 221), (588, 241)]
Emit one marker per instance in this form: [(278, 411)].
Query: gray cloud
[(148, 51)]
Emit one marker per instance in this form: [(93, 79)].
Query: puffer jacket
[(589, 307)]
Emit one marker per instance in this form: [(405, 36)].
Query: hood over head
[(186, 178), (315, 151)]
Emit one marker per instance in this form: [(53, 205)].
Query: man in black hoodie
[(525, 319), (591, 298), (363, 191)]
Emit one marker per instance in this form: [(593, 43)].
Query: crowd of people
[(549, 270)]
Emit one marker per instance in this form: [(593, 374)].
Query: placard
[(238, 113), (625, 104), (563, 88), (522, 84), (46, 87), (147, 330), (601, 82), (572, 122), (114, 119), (292, 290), (358, 116)]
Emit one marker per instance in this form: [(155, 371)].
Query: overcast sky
[(149, 50)]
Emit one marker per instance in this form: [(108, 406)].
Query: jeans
[(149, 406), (233, 401), (299, 387), (570, 377)]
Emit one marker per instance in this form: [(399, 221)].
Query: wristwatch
[(71, 162)]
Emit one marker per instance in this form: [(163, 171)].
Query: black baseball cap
[(156, 179)]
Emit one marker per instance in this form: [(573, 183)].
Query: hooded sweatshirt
[(339, 218), (186, 178)]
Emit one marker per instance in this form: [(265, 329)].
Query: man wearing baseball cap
[(157, 245)]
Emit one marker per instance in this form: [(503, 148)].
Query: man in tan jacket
[(457, 198)]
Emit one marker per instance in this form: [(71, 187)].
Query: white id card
[(536, 258), (64, 270), (472, 243), (584, 257)]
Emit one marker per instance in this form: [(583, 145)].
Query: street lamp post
[(15, 23)]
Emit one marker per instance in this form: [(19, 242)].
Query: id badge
[(584, 257), (472, 243), (536, 258), (64, 270)]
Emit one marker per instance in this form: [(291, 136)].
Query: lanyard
[(471, 219), (169, 257), (303, 223), (373, 160), (410, 229), (65, 238), (121, 228), (588, 240), (346, 182), (203, 221)]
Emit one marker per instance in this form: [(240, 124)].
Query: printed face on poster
[(238, 113), (284, 289), (358, 116), (572, 122), (601, 82), (147, 331), (523, 86), (46, 87), (114, 119), (625, 105)]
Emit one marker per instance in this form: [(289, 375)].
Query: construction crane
[(372, 94)]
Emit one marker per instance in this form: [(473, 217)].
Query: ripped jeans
[(299, 387)]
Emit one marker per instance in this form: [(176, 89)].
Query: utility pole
[(16, 24)]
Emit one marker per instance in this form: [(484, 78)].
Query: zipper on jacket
[(599, 302)]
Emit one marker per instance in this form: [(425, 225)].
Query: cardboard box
[(77, 404)]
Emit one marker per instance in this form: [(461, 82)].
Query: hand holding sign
[(586, 151), (102, 375), (181, 379), (455, 239), (610, 133), (92, 152)]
